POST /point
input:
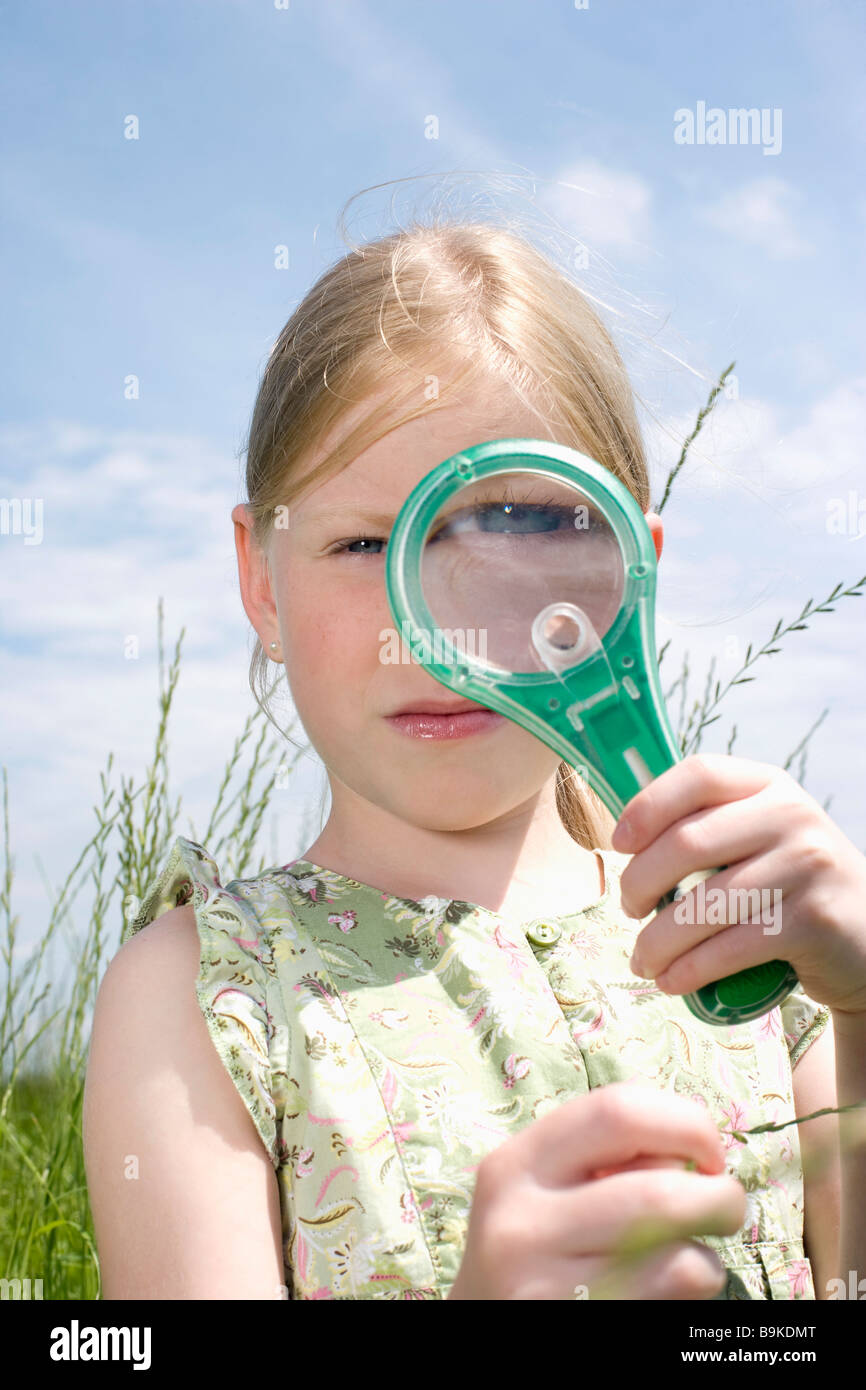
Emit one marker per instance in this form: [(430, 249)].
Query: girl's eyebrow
[(349, 510), (490, 495)]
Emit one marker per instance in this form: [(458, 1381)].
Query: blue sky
[(155, 257)]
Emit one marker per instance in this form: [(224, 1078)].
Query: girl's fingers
[(683, 1270), (611, 1126), (683, 1205), (715, 906), (722, 925), (748, 898), (689, 786), (644, 1161), (730, 951), (733, 833)]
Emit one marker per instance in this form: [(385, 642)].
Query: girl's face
[(327, 606)]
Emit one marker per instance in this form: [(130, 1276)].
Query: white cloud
[(604, 207), (753, 448), (762, 213)]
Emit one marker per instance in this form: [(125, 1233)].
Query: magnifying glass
[(521, 574)]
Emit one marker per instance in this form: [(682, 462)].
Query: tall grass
[(46, 1228)]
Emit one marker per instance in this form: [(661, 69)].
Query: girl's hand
[(554, 1205), (772, 836)]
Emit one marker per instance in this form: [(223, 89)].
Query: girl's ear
[(256, 592), (654, 522)]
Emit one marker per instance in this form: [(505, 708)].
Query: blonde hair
[(470, 294)]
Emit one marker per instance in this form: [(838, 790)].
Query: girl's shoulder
[(238, 923), (246, 909)]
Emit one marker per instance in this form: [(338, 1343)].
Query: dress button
[(543, 933)]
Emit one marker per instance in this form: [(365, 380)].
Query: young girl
[(422, 1061)]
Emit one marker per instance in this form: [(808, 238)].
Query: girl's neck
[(522, 867)]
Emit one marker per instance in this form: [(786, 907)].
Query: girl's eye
[(512, 518), (357, 540)]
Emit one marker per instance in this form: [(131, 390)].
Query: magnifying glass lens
[(500, 551)]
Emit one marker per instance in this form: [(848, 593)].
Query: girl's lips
[(437, 726)]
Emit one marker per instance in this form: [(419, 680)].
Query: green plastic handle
[(606, 716)]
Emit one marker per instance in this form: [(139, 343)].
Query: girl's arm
[(713, 809), (184, 1196), (815, 1085), (850, 1035)]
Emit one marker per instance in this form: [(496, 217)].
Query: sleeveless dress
[(384, 1046)]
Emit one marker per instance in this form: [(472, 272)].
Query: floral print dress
[(384, 1046)]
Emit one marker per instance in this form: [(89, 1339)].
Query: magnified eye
[(507, 518), (521, 517)]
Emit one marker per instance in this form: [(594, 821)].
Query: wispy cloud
[(605, 207), (763, 213)]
